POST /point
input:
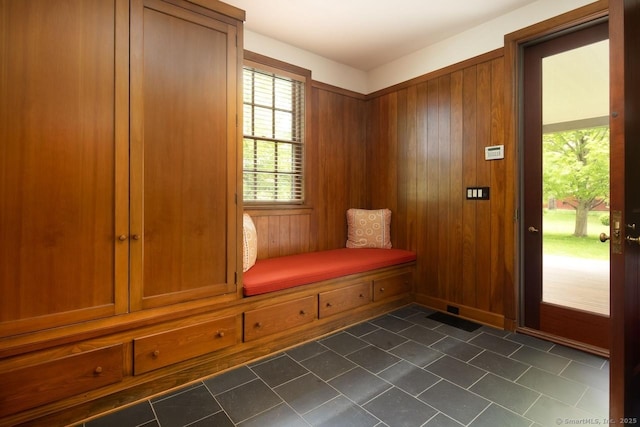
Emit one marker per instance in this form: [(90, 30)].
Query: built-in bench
[(298, 294), (273, 274)]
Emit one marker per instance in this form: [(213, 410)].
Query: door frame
[(624, 386), (514, 45), (589, 329)]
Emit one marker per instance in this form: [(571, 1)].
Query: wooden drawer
[(165, 348), (279, 317), (57, 379), (390, 286), (339, 300)]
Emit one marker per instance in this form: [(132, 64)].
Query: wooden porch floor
[(577, 283)]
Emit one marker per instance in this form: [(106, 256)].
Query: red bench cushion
[(273, 274)]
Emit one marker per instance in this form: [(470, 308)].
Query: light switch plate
[(477, 193)]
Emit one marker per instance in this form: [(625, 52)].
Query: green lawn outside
[(557, 228)]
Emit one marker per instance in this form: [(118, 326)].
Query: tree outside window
[(577, 171)]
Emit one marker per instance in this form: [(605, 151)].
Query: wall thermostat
[(495, 152)]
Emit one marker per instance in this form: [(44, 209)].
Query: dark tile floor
[(400, 369)]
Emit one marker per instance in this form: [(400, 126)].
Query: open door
[(624, 33), (566, 185)]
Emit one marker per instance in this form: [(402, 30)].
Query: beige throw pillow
[(369, 228), (249, 242)]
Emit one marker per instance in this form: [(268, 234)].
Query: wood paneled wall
[(414, 149), (337, 163), (426, 144), (281, 233)]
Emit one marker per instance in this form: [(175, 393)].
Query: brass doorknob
[(604, 237), (633, 239), (532, 229)]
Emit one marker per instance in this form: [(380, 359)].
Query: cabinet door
[(63, 124), (183, 154)]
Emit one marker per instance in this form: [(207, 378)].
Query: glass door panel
[(575, 178)]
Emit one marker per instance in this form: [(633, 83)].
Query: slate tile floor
[(400, 369)]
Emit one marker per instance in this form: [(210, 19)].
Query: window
[(274, 130)]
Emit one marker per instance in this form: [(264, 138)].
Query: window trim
[(252, 59)]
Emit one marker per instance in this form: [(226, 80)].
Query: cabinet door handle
[(123, 237), (136, 237)]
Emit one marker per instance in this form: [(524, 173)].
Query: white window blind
[(273, 137)]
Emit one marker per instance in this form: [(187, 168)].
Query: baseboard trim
[(563, 341)]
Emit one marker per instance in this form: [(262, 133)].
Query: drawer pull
[(98, 370), (361, 295), (155, 354), (221, 334), (381, 289), (329, 304), (259, 325), (302, 312)]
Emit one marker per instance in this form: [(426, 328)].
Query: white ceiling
[(576, 84), (366, 34)]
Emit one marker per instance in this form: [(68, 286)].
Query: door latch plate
[(616, 235)]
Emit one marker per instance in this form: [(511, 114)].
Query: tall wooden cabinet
[(63, 162), (118, 180), (98, 217), (183, 155)]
